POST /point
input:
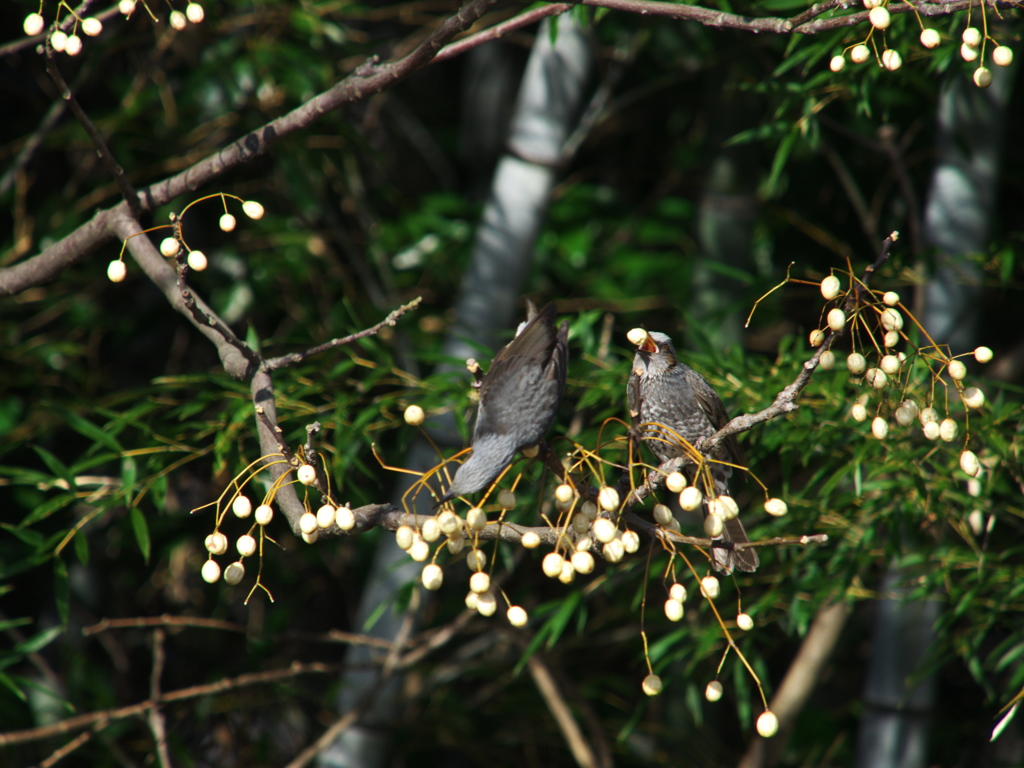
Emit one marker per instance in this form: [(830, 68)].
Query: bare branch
[(298, 357)]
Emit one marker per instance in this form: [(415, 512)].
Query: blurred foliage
[(117, 422)]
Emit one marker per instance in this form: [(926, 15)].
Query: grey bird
[(519, 399), (667, 398)]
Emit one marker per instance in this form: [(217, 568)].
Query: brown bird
[(519, 399), (666, 398)]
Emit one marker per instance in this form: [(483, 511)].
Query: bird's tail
[(725, 558)]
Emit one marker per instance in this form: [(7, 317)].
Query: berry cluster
[(906, 381), (971, 50), (71, 44), (174, 245)]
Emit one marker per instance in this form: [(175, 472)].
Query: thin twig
[(298, 357), (156, 716), (559, 709), (128, 192)]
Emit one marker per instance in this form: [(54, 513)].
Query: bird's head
[(655, 354)]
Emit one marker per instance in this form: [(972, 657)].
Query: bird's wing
[(711, 404)]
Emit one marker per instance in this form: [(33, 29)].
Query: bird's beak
[(648, 346)]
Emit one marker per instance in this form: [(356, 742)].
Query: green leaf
[(141, 529), (60, 588), (39, 641), (55, 465), (8, 683), (91, 431)]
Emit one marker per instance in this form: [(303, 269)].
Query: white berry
[(126, 7), (816, 338), (197, 260), (630, 541), (486, 604), (973, 397), (972, 37), (675, 482), (859, 412), (613, 551), (246, 545), (506, 499), (982, 76), (709, 587), (194, 13), (957, 370), (179, 21), (92, 27), (831, 286), (227, 222), (891, 339), (890, 298), (404, 537), (430, 530), (73, 47), (563, 493), (479, 582), (345, 519), (827, 361), (210, 571), (879, 427), (608, 498), (414, 415), (456, 544), (983, 354), (517, 616), (662, 514), (325, 516), (432, 576), (891, 59), (879, 17), (637, 336), (931, 430), (605, 530), (116, 271), (1002, 56), (241, 507), (860, 53), (856, 364), (307, 523), (714, 691), (947, 430), (264, 514), (890, 364), (476, 519), (33, 24), (891, 319), (744, 622), (837, 63), (677, 592), (552, 565), (169, 247), (651, 685), (776, 507), (930, 38), (713, 525), (217, 543), (306, 474), (969, 463), (673, 610), (968, 53), (58, 40), (419, 551), (476, 560), (690, 498), (929, 414), (767, 724), (530, 540), (836, 319), (583, 562), (568, 574)]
